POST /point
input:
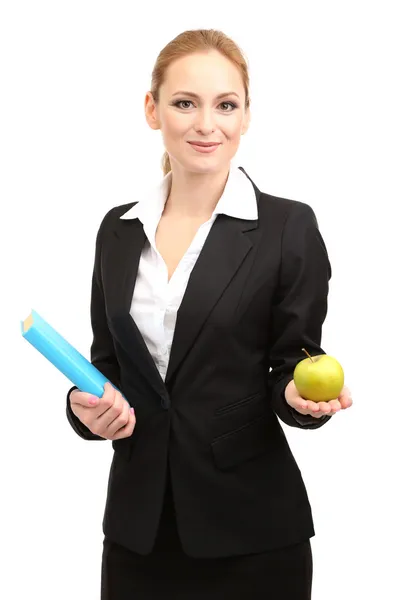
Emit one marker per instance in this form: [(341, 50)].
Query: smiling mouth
[(204, 144)]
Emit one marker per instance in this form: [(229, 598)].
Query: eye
[(183, 102), (231, 104)]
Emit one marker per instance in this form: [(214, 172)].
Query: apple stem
[(310, 357)]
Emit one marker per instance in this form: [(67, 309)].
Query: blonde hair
[(188, 42)]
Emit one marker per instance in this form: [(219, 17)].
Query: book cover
[(78, 369)]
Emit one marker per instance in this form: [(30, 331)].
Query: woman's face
[(201, 100)]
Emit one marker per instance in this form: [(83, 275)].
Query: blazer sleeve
[(299, 309), (102, 353)]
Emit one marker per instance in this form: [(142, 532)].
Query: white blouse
[(156, 300)]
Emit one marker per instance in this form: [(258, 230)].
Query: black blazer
[(256, 296)]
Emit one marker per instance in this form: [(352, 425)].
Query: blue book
[(63, 355)]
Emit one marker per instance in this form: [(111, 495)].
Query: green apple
[(319, 378)]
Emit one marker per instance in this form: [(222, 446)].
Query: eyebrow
[(185, 93)]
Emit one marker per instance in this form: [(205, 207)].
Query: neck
[(195, 195)]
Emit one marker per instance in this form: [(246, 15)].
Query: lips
[(204, 147), (204, 144)]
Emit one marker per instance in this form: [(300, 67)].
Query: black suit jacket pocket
[(240, 430)]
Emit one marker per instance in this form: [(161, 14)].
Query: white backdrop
[(74, 142)]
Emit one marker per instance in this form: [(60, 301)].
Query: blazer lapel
[(222, 254), (120, 268)]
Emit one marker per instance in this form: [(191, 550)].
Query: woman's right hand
[(109, 417)]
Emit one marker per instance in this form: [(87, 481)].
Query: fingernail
[(131, 410), (93, 400)]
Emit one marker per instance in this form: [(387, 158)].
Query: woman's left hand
[(317, 409)]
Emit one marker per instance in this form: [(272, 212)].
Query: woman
[(198, 290)]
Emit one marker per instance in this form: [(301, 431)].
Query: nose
[(204, 122)]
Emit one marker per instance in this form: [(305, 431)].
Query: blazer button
[(165, 402)]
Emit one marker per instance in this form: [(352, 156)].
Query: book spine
[(64, 356)]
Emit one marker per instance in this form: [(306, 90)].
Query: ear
[(246, 121), (150, 109)]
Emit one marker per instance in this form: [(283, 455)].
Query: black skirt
[(169, 574)]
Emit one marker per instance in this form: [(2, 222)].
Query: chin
[(206, 168), (204, 165)]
